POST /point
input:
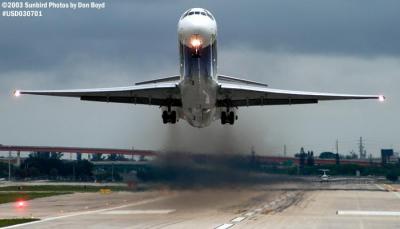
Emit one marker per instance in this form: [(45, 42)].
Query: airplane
[(324, 176), (327, 178), (199, 94)]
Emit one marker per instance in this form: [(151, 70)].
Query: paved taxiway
[(278, 205)]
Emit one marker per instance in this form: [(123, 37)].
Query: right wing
[(234, 94), (160, 94)]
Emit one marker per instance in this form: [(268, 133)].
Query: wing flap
[(263, 102), (135, 100)]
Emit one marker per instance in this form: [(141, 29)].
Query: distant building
[(386, 155), (327, 155)]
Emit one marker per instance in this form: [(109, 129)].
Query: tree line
[(49, 165)]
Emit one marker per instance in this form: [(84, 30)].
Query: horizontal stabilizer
[(160, 80), (237, 80)]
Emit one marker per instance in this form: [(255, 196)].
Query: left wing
[(236, 95), (160, 94)]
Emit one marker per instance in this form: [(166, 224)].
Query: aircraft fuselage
[(197, 31)]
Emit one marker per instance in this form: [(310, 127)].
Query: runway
[(277, 205)]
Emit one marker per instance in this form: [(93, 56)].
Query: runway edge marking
[(367, 213), (86, 212), (380, 187), (138, 212), (390, 189)]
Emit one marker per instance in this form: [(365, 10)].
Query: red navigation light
[(21, 203)]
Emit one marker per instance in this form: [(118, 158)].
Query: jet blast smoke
[(180, 170)]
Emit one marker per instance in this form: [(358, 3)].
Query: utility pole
[(361, 148), (112, 171), (133, 152), (73, 171), (18, 164), (252, 156), (337, 146), (284, 150), (9, 166)]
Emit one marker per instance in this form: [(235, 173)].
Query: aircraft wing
[(235, 94), (158, 93)]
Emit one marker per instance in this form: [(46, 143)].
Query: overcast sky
[(344, 46)]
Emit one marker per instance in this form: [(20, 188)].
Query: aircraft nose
[(193, 32)]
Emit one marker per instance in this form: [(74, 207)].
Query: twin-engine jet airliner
[(199, 94)]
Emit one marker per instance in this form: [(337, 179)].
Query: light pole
[(9, 166), (112, 171), (73, 171)]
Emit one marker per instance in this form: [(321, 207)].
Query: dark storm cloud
[(139, 32), (337, 46), (338, 27)]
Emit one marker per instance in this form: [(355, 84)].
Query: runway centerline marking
[(256, 211), (249, 214), (238, 219), (89, 212), (224, 226)]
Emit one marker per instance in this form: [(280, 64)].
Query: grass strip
[(16, 196), (10, 222), (64, 188)]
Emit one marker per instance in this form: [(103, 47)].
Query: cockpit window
[(186, 13), (210, 16), (204, 13)]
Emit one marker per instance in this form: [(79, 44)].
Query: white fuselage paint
[(198, 83)]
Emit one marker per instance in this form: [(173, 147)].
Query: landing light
[(195, 42), (381, 98)]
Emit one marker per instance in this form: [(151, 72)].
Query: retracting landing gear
[(169, 116), (228, 117)]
